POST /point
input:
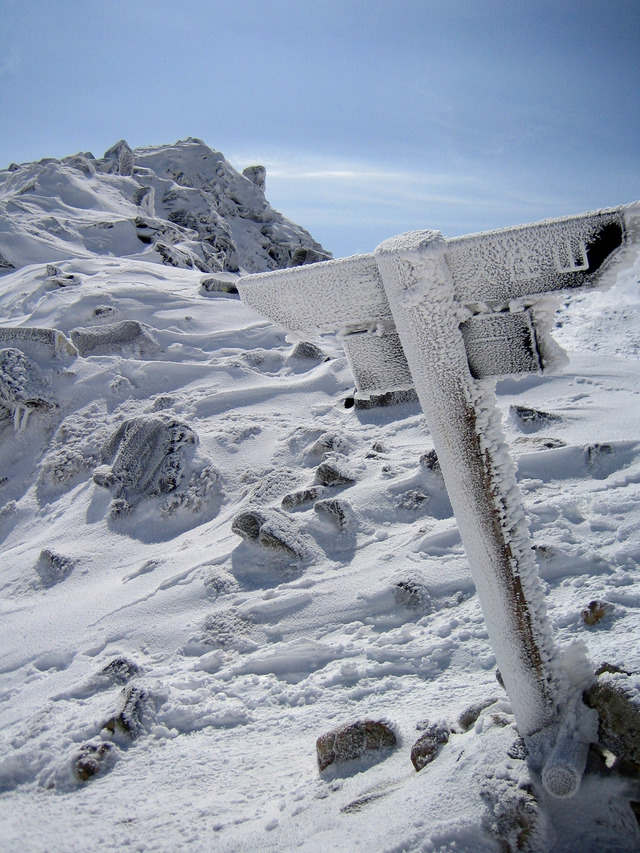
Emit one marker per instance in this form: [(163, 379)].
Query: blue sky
[(373, 117)]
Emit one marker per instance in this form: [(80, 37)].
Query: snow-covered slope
[(193, 667), (181, 205)]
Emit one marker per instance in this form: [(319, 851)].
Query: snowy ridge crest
[(181, 205)]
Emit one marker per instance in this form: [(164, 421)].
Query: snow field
[(242, 655)]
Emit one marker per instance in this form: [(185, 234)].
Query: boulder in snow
[(148, 457), (53, 568), (412, 593), (118, 671), (128, 721), (304, 496), (93, 758), (37, 342), (331, 473), (273, 530), (304, 255), (352, 741), (532, 420), (308, 350), (124, 336), (616, 698), (428, 745), (429, 461), (595, 612), (337, 512)]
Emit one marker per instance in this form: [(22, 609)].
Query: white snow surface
[(243, 654)]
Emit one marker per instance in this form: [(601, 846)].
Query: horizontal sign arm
[(489, 271)]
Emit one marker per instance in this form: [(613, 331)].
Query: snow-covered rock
[(182, 205), (352, 741)]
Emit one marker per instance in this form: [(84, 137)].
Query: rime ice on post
[(444, 316)]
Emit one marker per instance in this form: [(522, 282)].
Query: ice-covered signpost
[(446, 317)]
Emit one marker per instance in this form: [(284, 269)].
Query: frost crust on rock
[(153, 456)]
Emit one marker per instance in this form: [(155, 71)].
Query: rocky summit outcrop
[(181, 205)]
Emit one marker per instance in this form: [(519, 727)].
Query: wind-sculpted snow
[(162, 664), (182, 205)]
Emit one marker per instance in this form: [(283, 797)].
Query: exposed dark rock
[(174, 257), (214, 233), (329, 474), (142, 195), (93, 758), (595, 611), (377, 448), (22, 385), (600, 460), (542, 443), (121, 159), (222, 283), (149, 229), (37, 342), (337, 512), (389, 398), (305, 349), (611, 667), (304, 255), (352, 741), (119, 671), (429, 461), (57, 280), (248, 524), (53, 568), (129, 720), (412, 593), (271, 530), (273, 537), (104, 311), (360, 803), (616, 698), (5, 263), (469, 716), (518, 750), (304, 496), (426, 748), (125, 160), (531, 420), (500, 679)]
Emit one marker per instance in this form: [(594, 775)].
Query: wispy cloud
[(351, 206)]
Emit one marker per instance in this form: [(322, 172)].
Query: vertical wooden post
[(480, 477)]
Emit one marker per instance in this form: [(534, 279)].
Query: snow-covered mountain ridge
[(182, 205), (210, 559)]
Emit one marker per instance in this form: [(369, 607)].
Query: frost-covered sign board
[(443, 317)]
